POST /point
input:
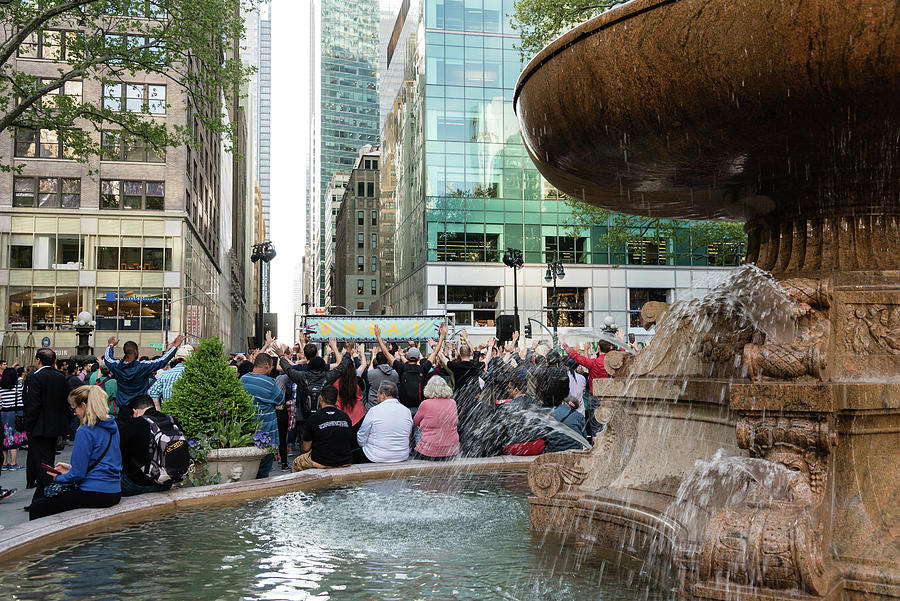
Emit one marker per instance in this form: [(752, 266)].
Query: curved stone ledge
[(52, 531)]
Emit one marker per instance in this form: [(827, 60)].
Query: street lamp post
[(265, 252), (513, 258), (555, 270)]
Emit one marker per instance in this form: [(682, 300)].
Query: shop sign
[(133, 298), (45, 342), (363, 327), (157, 347)]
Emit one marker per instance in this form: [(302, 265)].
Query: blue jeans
[(129, 488), (265, 466)]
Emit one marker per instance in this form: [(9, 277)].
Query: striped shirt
[(11, 398), (162, 388)]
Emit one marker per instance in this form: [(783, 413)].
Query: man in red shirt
[(595, 366)]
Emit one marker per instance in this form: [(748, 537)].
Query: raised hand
[(179, 340), (113, 341), (377, 331), (515, 336)]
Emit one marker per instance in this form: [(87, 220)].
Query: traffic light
[(528, 330)]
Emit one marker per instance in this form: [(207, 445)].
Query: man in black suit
[(46, 417)]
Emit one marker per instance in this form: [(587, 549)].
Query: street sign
[(157, 347), (45, 342)]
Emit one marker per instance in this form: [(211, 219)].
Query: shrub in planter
[(209, 397)]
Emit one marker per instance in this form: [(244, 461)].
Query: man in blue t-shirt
[(266, 396)]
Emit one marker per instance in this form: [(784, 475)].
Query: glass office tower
[(456, 173), (348, 97)]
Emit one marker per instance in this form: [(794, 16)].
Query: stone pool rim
[(53, 531)]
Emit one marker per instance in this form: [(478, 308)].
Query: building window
[(360, 263), (360, 188), (370, 189), (20, 256), (725, 253), (42, 308), (360, 306), (374, 241), (465, 247), (360, 218), (565, 249), (40, 144), (47, 192), (648, 251), (360, 241), (360, 286), (637, 297), (135, 98), (374, 217), (120, 146), (49, 44), (374, 264), (374, 287), (570, 302), (72, 89), (480, 297), (132, 195)]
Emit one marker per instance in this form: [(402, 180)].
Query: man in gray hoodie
[(381, 371)]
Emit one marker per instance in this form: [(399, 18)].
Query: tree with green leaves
[(209, 394), (189, 43), (540, 21), (619, 231)]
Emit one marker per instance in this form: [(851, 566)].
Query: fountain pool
[(425, 537)]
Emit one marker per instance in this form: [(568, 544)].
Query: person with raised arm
[(412, 373), (133, 375)]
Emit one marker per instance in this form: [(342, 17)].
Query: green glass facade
[(453, 160), (348, 111)]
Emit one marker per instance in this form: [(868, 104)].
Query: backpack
[(112, 407), (411, 386), (168, 453), (315, 382), (556, 386)]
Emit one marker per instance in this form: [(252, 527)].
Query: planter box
[(235, 465)]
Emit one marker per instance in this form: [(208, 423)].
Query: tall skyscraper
[(456, 177), (344, 102)]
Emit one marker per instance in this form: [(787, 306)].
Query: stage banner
[(348, 327)]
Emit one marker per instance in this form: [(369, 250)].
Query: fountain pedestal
[(782, 115)]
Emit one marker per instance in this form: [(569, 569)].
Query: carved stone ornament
[(613, 446), (872, 329)]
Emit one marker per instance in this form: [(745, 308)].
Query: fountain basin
[(459, 536), (720, 110)]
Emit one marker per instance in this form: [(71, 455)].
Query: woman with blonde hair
[(437, 420), (95, 475)]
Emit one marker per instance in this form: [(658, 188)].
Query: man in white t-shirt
[(384, 435)]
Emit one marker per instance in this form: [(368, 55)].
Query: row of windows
[(361, 241), (360, 287), (135, 98), (67, 252), (53, 44), (365, 189), (361, 217), (361, 263), (116, 145), (47, 308), (66, 193)]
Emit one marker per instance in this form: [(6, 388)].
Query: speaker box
[(270, 324), (506, 325)]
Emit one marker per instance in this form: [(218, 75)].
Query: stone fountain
[(784, 115)]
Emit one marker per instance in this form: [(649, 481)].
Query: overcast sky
[(290, 125)]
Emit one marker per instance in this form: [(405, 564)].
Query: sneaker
[(6, 467), (6, 493), (16, 467)]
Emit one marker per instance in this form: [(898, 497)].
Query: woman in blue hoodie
[(96, 469)]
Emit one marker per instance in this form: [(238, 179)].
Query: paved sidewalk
[(11, 509)]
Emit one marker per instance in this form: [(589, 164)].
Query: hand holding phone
[(51, 469)]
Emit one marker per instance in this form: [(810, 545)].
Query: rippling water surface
[(417, 538)]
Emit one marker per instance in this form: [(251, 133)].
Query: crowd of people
[(344, 406), (351, 406)]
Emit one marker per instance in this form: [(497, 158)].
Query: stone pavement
[(11, 509)]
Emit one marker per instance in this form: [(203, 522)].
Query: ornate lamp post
[(513, 258), (265, 252), (555, 271), (84, 326)]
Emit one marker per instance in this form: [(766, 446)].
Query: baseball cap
[(184, 351), (413, 354)]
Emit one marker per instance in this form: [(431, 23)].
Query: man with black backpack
[(155, 451), (414, 372), (556, 382)]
